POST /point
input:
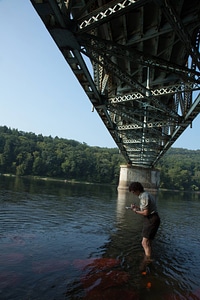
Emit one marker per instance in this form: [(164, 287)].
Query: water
[(63, 241)]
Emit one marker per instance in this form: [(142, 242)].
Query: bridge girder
[(145, 60)]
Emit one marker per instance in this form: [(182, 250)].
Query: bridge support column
[(149, 178)]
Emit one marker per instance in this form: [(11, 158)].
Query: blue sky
[(39, 93)]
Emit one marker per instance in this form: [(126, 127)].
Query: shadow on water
[(76, 241)]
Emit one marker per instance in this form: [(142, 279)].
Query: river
[(63, 241)]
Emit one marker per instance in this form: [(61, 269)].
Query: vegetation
[(25, 154), (180, 169)]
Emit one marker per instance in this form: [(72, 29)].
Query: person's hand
[(133, 206)]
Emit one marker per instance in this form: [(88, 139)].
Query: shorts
[(150, 226)]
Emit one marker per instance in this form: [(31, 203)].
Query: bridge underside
[(142, 75)]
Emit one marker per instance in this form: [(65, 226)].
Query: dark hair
[(136, 186)]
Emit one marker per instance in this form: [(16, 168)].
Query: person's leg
[(149, 231), (146, 244)]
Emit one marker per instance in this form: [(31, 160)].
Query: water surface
[(77, 241)]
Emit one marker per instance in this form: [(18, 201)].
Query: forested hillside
[(30, 154), (180, 169)]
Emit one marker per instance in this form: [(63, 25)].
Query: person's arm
[(144, 201), (140, 212)]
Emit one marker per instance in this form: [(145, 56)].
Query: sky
[(38, 91)]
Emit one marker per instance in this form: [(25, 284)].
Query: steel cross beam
[(106, 12), (145, 57), (181, 31)]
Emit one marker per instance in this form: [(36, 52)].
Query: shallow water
[(75, 241)]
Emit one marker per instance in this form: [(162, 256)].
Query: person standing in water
[(148, 209)]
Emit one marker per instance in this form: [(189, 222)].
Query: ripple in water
[(81, 243)]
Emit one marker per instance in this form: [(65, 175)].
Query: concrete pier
[(149, 178)]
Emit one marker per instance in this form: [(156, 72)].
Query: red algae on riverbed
[(9, 279), (100, 263), (11, 259), (49, 266), (103, 279)]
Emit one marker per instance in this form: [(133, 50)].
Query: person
[(147, 209)]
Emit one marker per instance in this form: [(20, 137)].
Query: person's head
[(136, 187)]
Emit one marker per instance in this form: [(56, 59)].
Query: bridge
[(138, 61)]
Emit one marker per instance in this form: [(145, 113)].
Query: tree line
[(24, 154), (180, 169)]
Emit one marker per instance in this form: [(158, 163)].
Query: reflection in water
[(76, 241)]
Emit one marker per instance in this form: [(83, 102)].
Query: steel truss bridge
[(138, 61)]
